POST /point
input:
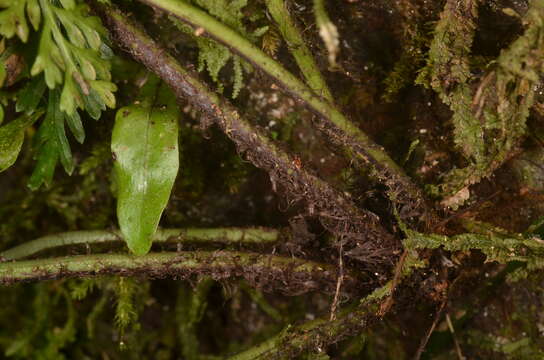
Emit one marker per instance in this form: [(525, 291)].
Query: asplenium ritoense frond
[(73, 61)]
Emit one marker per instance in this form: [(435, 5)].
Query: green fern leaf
[(13, 20), (71, 54), (76, 68), (52, 144)]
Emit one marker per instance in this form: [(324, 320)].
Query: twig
[(424, 341), (321, 332), (452, 330), (338, 282), (297, 47), (314, 334), (388, 302)]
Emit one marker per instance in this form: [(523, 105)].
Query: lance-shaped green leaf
[(11, 138), (145, 148)]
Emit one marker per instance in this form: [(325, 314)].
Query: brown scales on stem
[(290, 276)]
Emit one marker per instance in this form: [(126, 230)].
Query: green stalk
[(190, 235), (288, 275), (336, 126), (297, 47)]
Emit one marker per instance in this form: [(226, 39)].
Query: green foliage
[(71, 76), (497, 246), (80, 289), (448, 72), (489, 118), (11, 139), (77, 59), (100, 154), (75, 64), (13, 20), (404, 70), (43, 338), (271, 41), (145, 147), (522, 348), (125, 311), (213, 56), (51, 142), (30, 96)]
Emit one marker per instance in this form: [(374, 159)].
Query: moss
[(489, 112)]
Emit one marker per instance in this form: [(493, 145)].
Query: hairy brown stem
[(288, 275)]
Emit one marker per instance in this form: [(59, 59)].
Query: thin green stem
[(189, 235), (297, 47), (258, 298), (332, 122), (288, 275)]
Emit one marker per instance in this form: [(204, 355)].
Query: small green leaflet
[(144, 145), (30, 95), (52, 144), (11, 138), (13, 20)]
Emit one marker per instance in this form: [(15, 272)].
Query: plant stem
[(288, 275), (299, 50), (319, 333), (190, 235), (332, 122), (315, 334), (335, 210)]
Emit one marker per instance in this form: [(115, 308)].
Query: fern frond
[(77, 60), (74, 61), (489, 116), (13, 18)]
